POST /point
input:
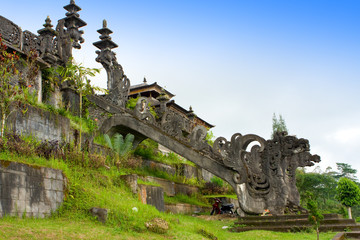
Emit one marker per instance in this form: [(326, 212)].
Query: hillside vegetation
[(93, 185)]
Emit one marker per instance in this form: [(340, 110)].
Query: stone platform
[(294, 223)]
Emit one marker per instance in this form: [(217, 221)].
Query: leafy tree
[(210, 138), (278, 125), (11, 78), (120, 145), (315, 217), (348, 193), (8, 91), (345, 170), (78, 76), (321, 185)]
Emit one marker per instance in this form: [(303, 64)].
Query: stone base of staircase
[(347, 235), (294, 223)]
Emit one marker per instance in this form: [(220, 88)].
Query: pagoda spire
[(105, 39), (118, 84), (73, 22), (47, 35)]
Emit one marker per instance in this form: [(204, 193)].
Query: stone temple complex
[(262, 172)]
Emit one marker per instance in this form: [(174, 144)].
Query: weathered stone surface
[(185, 189), (168, 186), (152, 195), (100, 213), (159, 166), (41, 124), (27, 189), (184, 208), (189, 171), (157, 225), (131, 181)]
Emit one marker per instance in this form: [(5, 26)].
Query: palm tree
[(78, 77)]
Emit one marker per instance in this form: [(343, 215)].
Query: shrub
[(217, 181)]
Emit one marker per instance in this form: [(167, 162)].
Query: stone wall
[(172, 188), (44, 125), (30, 191), (184, 208), (159, 166)]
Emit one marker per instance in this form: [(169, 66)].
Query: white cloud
[(346, 136)]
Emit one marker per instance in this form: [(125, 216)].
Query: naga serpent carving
[(264, 175)]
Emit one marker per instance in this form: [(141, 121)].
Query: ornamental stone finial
[(46, 36), (117, 84), (73, 22)]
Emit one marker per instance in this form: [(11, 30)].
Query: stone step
[(281, 228), (295, 222), (285, 217), (347, 235)]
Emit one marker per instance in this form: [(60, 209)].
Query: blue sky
[(236, 62)]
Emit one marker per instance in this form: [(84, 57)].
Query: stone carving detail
[(63, 42), (173, 124), (142, 111), (47, 46), (31, 42), (72, 22), (10, 32), (265, 174), (197, 138), (284, 154), (118, 84)]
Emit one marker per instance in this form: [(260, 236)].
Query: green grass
[(181, 227), (140, 181), (90, 187)]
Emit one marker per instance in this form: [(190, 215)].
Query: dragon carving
[(264, 175)]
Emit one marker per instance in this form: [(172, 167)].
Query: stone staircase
[(294, 223)]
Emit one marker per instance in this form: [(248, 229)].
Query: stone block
[(131, 181), (206, 175), (59, 175), (44, 208), (53, 206), (22, 194), (30, 207), (168, 186), (50, 173), (6, 205), (100, 213), (22, 181), (189, 171), (59, 196), (57, 185), (152, 195), (184, 208), (19, 206), (185, 189), (50, 195), (14, 194), (159, 166), (47, 183)]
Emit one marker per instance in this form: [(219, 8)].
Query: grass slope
[(89, 187)]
